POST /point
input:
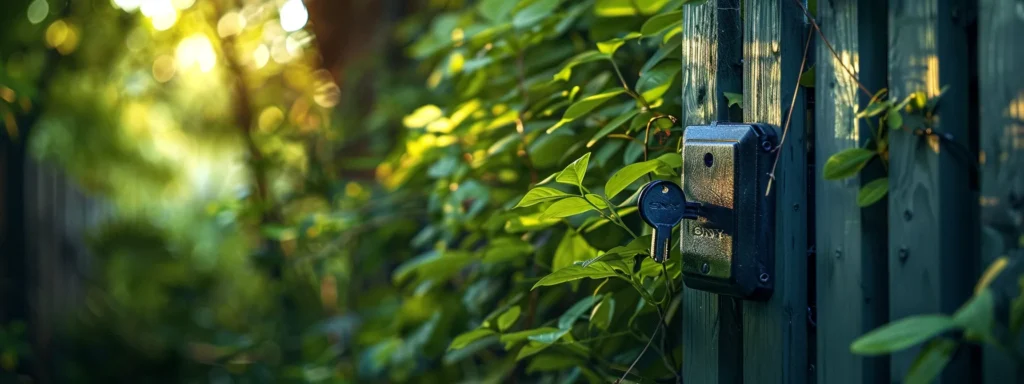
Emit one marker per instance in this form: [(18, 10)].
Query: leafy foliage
[(486, 245), (977, 321), (915, 114)]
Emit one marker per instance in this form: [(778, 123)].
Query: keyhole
[(708, 160)]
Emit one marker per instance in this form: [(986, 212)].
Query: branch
[(828, 44), (789, 116)]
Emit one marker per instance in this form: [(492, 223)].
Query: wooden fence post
[(1001, 97), (775, 332), (852, 272), (933, 220), (712, 340)]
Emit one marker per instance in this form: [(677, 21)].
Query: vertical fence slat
[(932, 216), (775, 332), (1001, 96), (711, 66), (851, 274)]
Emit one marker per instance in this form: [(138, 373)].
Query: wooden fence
[(43, 222), (955, 197)]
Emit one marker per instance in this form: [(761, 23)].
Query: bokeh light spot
[(270, 118), (127, 5), (62, 36), (56, 33), (231, 24), (422, 116), (163, 68), (296, 42), (458, 35), (326, 93), (293, 15), (136, 40), (37, 11), (279, 51), (182, 4), (196, 50), (261, 56), (161, 13), (164, 21), (455, 63)]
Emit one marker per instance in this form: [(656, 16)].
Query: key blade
[(660, 242)]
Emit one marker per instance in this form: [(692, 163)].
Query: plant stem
[(789, 116), (625, 86), (618, 219)]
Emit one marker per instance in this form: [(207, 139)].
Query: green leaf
[(611, 126), (461, 341), (619, 8), (434, 265), (893, 119), (654, 83), (573, 247), (496, 11), (548, 338), (627, 175), (279, 232), (609, 47), (584, 106), (635, 247), (598, 270), (734, 99), (662, 22), (807, 78), (1017, 309), (674, 47), (510, 339), (422, 116), (934, 101), (504, 249), (875, 107), (508, 318), (570, 316), (871, 192), (554, 361), (994, 269), (539, 195), (977, 316), (583, 57), (574, 173), (672, 33), (601, 316), (533, 13), (566, 207), (930, 361), (670, 162), (846, 163), (530, 222), (902, 334), (531, 349)]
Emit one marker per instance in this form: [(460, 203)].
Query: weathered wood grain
[(933, 222), (775, 332), (1001, 98), (711, 66), (852, 277)]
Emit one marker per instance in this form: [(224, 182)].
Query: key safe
[(726, 209), (729, 247)]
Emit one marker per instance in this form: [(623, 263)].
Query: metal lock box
[(729, 248)]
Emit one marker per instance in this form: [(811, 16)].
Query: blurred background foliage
[(325, 191)]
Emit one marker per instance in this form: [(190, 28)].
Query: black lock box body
[(729, 248)]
